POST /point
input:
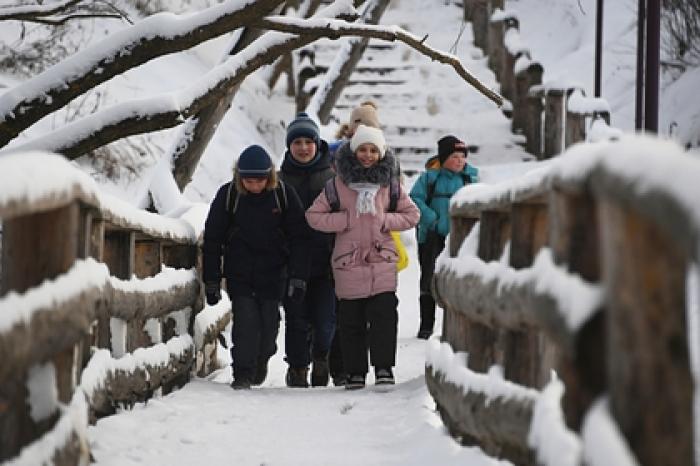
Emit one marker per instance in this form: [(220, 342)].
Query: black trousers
[(374, 321), (427, 255), (256, 323)]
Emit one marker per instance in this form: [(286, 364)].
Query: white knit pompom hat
[(366, 134)]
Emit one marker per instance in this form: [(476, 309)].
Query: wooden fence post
[(521, 349), (496, 33), (508, 59), (553, 122), (36, 247), (575, 128), (524, 80), (649, 375), (459, 229), (574, 240), (494, 233), (480, 21), (533, 124)]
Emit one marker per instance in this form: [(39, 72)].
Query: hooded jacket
[(364, 257), (435, 215)]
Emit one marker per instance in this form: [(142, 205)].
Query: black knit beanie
[(449, 144)]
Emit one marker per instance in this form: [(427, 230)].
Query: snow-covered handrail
[(71, 302), (526, 260), (108, 381), (37, 182)]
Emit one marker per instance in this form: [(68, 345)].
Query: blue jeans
[(310, 324)]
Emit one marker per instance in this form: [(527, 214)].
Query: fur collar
[(350, 170)]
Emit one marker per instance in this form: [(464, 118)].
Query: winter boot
[(260, 372), (319, 372), (355, 382), (297, 377), (427, 316), (383, 376), (241, 383)]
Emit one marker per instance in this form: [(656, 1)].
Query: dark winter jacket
[(308, 181), (259, 243)]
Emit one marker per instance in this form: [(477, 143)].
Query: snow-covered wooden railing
[(566, 295), (552, 116), (97, 307)]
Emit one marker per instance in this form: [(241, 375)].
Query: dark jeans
[(374, 317), (310, 324), (427, 255), (256, 323)]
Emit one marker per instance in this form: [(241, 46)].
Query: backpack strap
[(394, 193), (232, 199), (281, 196), (331, 192)]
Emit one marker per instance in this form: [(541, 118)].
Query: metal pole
[(598, 46), (639, 97), (653, 55)]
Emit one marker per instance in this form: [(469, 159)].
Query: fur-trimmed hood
[(350, 170)]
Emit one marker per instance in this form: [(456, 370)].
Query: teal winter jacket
[(435, 216)]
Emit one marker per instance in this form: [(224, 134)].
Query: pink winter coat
[(364, 257)]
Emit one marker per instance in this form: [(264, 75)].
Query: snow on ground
[(207, 422)]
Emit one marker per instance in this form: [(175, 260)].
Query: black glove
[(213, 292), (296, 290)]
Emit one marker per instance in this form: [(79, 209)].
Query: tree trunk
[(331, 90)]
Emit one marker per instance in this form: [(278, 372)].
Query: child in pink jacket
[(364, 257)]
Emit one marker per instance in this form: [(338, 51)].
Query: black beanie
[(449, 144), (302, 127), (254, 161)]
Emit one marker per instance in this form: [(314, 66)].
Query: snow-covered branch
[(153, 37), (335, 29)]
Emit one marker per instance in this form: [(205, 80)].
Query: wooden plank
[(179, 256), (459, 229), (494, 233), (524, 80), (498, 426), (649, 376), (119, 253), (50, 238), (575, 128), (553, 122), (528, 233), (147, 258), (573, 237)]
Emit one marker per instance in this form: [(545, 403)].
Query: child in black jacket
[(257, 225)]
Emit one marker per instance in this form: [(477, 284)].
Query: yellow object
[(400, 250)]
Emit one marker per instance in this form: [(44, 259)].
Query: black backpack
[(331, 192), (232, 198)]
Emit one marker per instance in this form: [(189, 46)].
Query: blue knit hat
[(254, 162), (302, 127)]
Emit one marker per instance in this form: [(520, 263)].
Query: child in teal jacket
[(445, 174)]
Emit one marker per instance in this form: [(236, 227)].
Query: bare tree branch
[(173, 109), (29, 12), (164, 111), (64, 19), (27, 103), (327, 95), (334, 29)]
